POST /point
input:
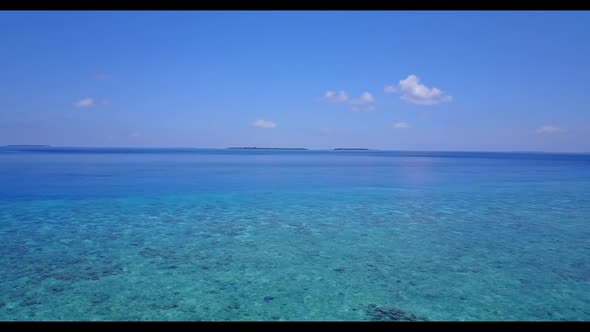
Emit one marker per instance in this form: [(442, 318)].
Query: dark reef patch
[(233, 306), (378, 313), (99, 298), (56, 289), (151, 252), (69, 269), (31, 300), (167, 304)]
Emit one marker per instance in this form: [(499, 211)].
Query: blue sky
[(497, 81)]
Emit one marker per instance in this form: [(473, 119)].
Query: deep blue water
[(196, 234)]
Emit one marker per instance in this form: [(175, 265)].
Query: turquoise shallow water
[(119, 234)]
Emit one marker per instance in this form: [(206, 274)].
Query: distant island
[(350, 149), (257, 148), (27, 146)]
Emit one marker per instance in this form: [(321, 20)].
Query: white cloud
[(548, 130), (365, 98), (86, 102), (401, 125), (363, 103), (264, 124), (415, 92)]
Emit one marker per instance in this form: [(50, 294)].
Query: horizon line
[(287, 149)]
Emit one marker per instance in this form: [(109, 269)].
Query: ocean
[(259, 235)]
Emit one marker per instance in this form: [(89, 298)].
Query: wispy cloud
[(401, 125), (363, 103), (86, 102), (549, 130), (337, 97), (390, 89), (264, 124), (102, 76), (135, 134), (417, 93)]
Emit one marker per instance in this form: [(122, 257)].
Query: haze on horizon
[(453, 81)]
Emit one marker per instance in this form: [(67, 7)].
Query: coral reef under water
[(378, 313)]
